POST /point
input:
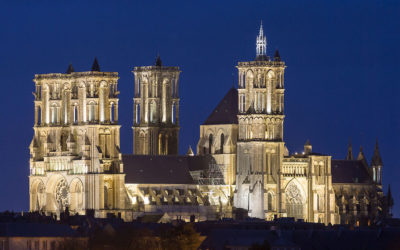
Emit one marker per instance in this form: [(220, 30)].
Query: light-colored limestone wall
[(156, 110), (76, 141)]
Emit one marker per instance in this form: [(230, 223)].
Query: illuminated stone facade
[(156, 110), (241, 163), (75, 156)]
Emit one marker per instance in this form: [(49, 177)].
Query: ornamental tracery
[(61, 194)]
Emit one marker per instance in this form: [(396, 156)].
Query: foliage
[(183, 236)]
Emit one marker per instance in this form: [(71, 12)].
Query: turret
[(376, 165), (307, 147)]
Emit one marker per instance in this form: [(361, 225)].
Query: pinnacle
[(95, 66), (158, 61), (70, 69)]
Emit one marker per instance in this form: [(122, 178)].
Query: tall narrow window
[(105, 197), (39, 115), (269, 197), (210, 142), (75, 113), (54, 114), (112, 112), (153, 112), (173, 118), (92, 111), (137, 113), (222, 143)]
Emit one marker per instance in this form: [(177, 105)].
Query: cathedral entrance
[(294, 202)]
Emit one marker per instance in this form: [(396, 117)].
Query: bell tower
[(260, 146), (75, 156), (156, 110)]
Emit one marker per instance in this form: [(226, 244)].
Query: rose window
[(62, 193)]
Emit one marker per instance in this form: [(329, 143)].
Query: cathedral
[(241, 165)]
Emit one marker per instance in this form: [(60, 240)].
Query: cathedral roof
[(226, 110), (163, 169), (349, 171)]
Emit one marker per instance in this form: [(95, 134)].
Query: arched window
[(75, 113), (92, 111), (137, 118), (54, 114), (317, 202), (173, 118), (112, 112), (153, 111), (222, 143), (269, 197), (210, 142), (39, 115), (105, 197)]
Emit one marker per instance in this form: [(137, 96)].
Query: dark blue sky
[(342, 76)]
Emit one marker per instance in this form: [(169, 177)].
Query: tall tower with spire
[(156, 110), (260, 146)]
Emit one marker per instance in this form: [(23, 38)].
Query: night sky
[(342, 76)]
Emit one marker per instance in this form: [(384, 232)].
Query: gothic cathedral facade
[(242, 162)]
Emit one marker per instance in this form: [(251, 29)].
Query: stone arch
[(92, 111), (295, 200), (38, 195), (270, 200), (250, 78), (57, 192), (271, 74), (76, 191), (108, 194)]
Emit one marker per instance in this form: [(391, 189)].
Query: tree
[(183, 236)]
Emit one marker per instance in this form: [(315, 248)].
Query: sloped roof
[(166, 169), (349, 171), (226, 110)]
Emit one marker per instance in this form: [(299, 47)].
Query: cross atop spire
[(261, 45)]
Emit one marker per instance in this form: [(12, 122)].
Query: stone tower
[(260, 146), (156, 110), (75, 157)]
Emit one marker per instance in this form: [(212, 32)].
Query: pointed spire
[(158, 61), (261, 32), (70, 69), (361, 154), (190, 151), (95, 66), (261, 45), (350, 151), (376, 159), (361, 157)]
